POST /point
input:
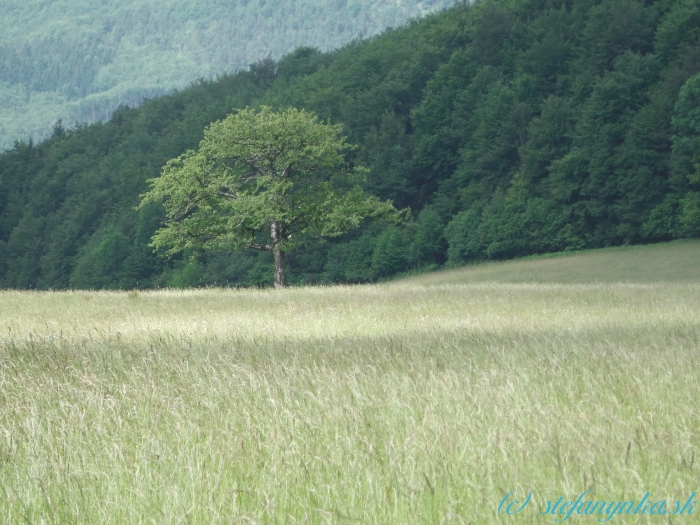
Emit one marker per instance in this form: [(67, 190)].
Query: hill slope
[(510, 128), (675, 262), (78, 60)]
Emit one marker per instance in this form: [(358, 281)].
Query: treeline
[(508, 127), (78, 60)]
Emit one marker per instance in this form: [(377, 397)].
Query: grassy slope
[(412, 402), (664, 262)]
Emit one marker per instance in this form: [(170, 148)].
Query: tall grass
[(395, 404)]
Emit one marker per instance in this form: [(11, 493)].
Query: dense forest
[(509, 127), (77, 60)]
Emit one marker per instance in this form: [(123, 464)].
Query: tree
[(686, 151), (429, 243), (261, 180)]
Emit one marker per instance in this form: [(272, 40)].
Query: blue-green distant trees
[(79, 60)]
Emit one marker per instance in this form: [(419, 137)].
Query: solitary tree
[(261, 180)]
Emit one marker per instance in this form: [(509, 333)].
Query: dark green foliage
[(390, 254), (429, 244), (686, 124), (351, 261), (512, 127), (690, 213), (387, 152), (686, 152), (463, 239), (262, 273)]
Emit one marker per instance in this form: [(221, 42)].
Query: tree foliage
[(264, 181)]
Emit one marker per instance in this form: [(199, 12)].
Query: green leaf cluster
[(257, 170)]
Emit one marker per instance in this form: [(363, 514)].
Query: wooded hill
[(511, 127), (79, 59)]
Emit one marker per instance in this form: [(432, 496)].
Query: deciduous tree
[(262, 180)]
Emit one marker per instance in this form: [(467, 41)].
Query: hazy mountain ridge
[(78, 60)]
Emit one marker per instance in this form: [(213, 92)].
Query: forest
[(508, 127), (78, 60)]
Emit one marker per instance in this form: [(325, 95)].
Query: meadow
[(424, 400)]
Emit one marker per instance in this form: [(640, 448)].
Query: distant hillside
[(509, 127), (77, 60)]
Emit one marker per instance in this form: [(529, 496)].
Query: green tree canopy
[(261, 180)]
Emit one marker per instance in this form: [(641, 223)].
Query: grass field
[(425, 400)]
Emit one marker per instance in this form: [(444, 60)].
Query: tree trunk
[(276, 238), (279, 268)]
